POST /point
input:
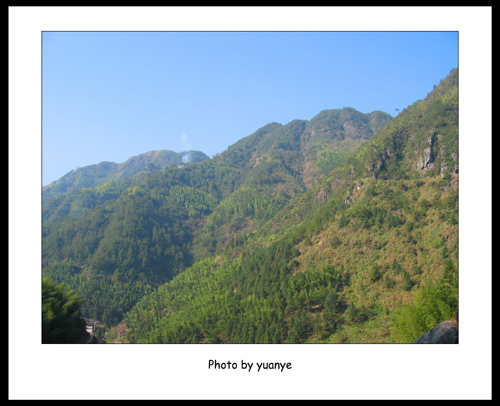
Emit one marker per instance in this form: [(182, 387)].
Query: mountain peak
[(97, 174)]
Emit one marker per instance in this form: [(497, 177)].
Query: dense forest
[(340, 229)]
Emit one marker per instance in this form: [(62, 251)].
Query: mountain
[(94, 175), (278, 163), (343, 228), (369, 254), (130, 234)]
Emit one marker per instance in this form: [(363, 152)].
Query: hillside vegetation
[(341, 229), (95, 175)]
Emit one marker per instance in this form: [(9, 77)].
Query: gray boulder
[(445, 332)]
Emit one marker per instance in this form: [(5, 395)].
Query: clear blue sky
[(107, 96)]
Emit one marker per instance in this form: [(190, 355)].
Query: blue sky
[(107, 96)]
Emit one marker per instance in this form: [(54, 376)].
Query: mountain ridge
[(160, 223), (374, 260), (293, 234), (96, 174)]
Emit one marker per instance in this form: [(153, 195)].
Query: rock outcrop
[(321, 196), (445, 332), (426, 160)]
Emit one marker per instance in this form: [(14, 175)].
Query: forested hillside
[(340, 229), (95, 175), (369, 254), (119, 240)]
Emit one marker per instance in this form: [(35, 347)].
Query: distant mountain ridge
[(97, 174), (308, 148)]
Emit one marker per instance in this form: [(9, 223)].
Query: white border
[(319, 371)]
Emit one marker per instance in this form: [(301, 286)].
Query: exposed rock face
[(321, 196), (376, 162), (445, 332), (426, 160)]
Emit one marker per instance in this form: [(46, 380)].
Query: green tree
[(431, 305), (61, 320)]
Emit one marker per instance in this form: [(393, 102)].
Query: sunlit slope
[(368, 254), (116, 241)]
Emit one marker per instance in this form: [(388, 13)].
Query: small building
[(90, 327)]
